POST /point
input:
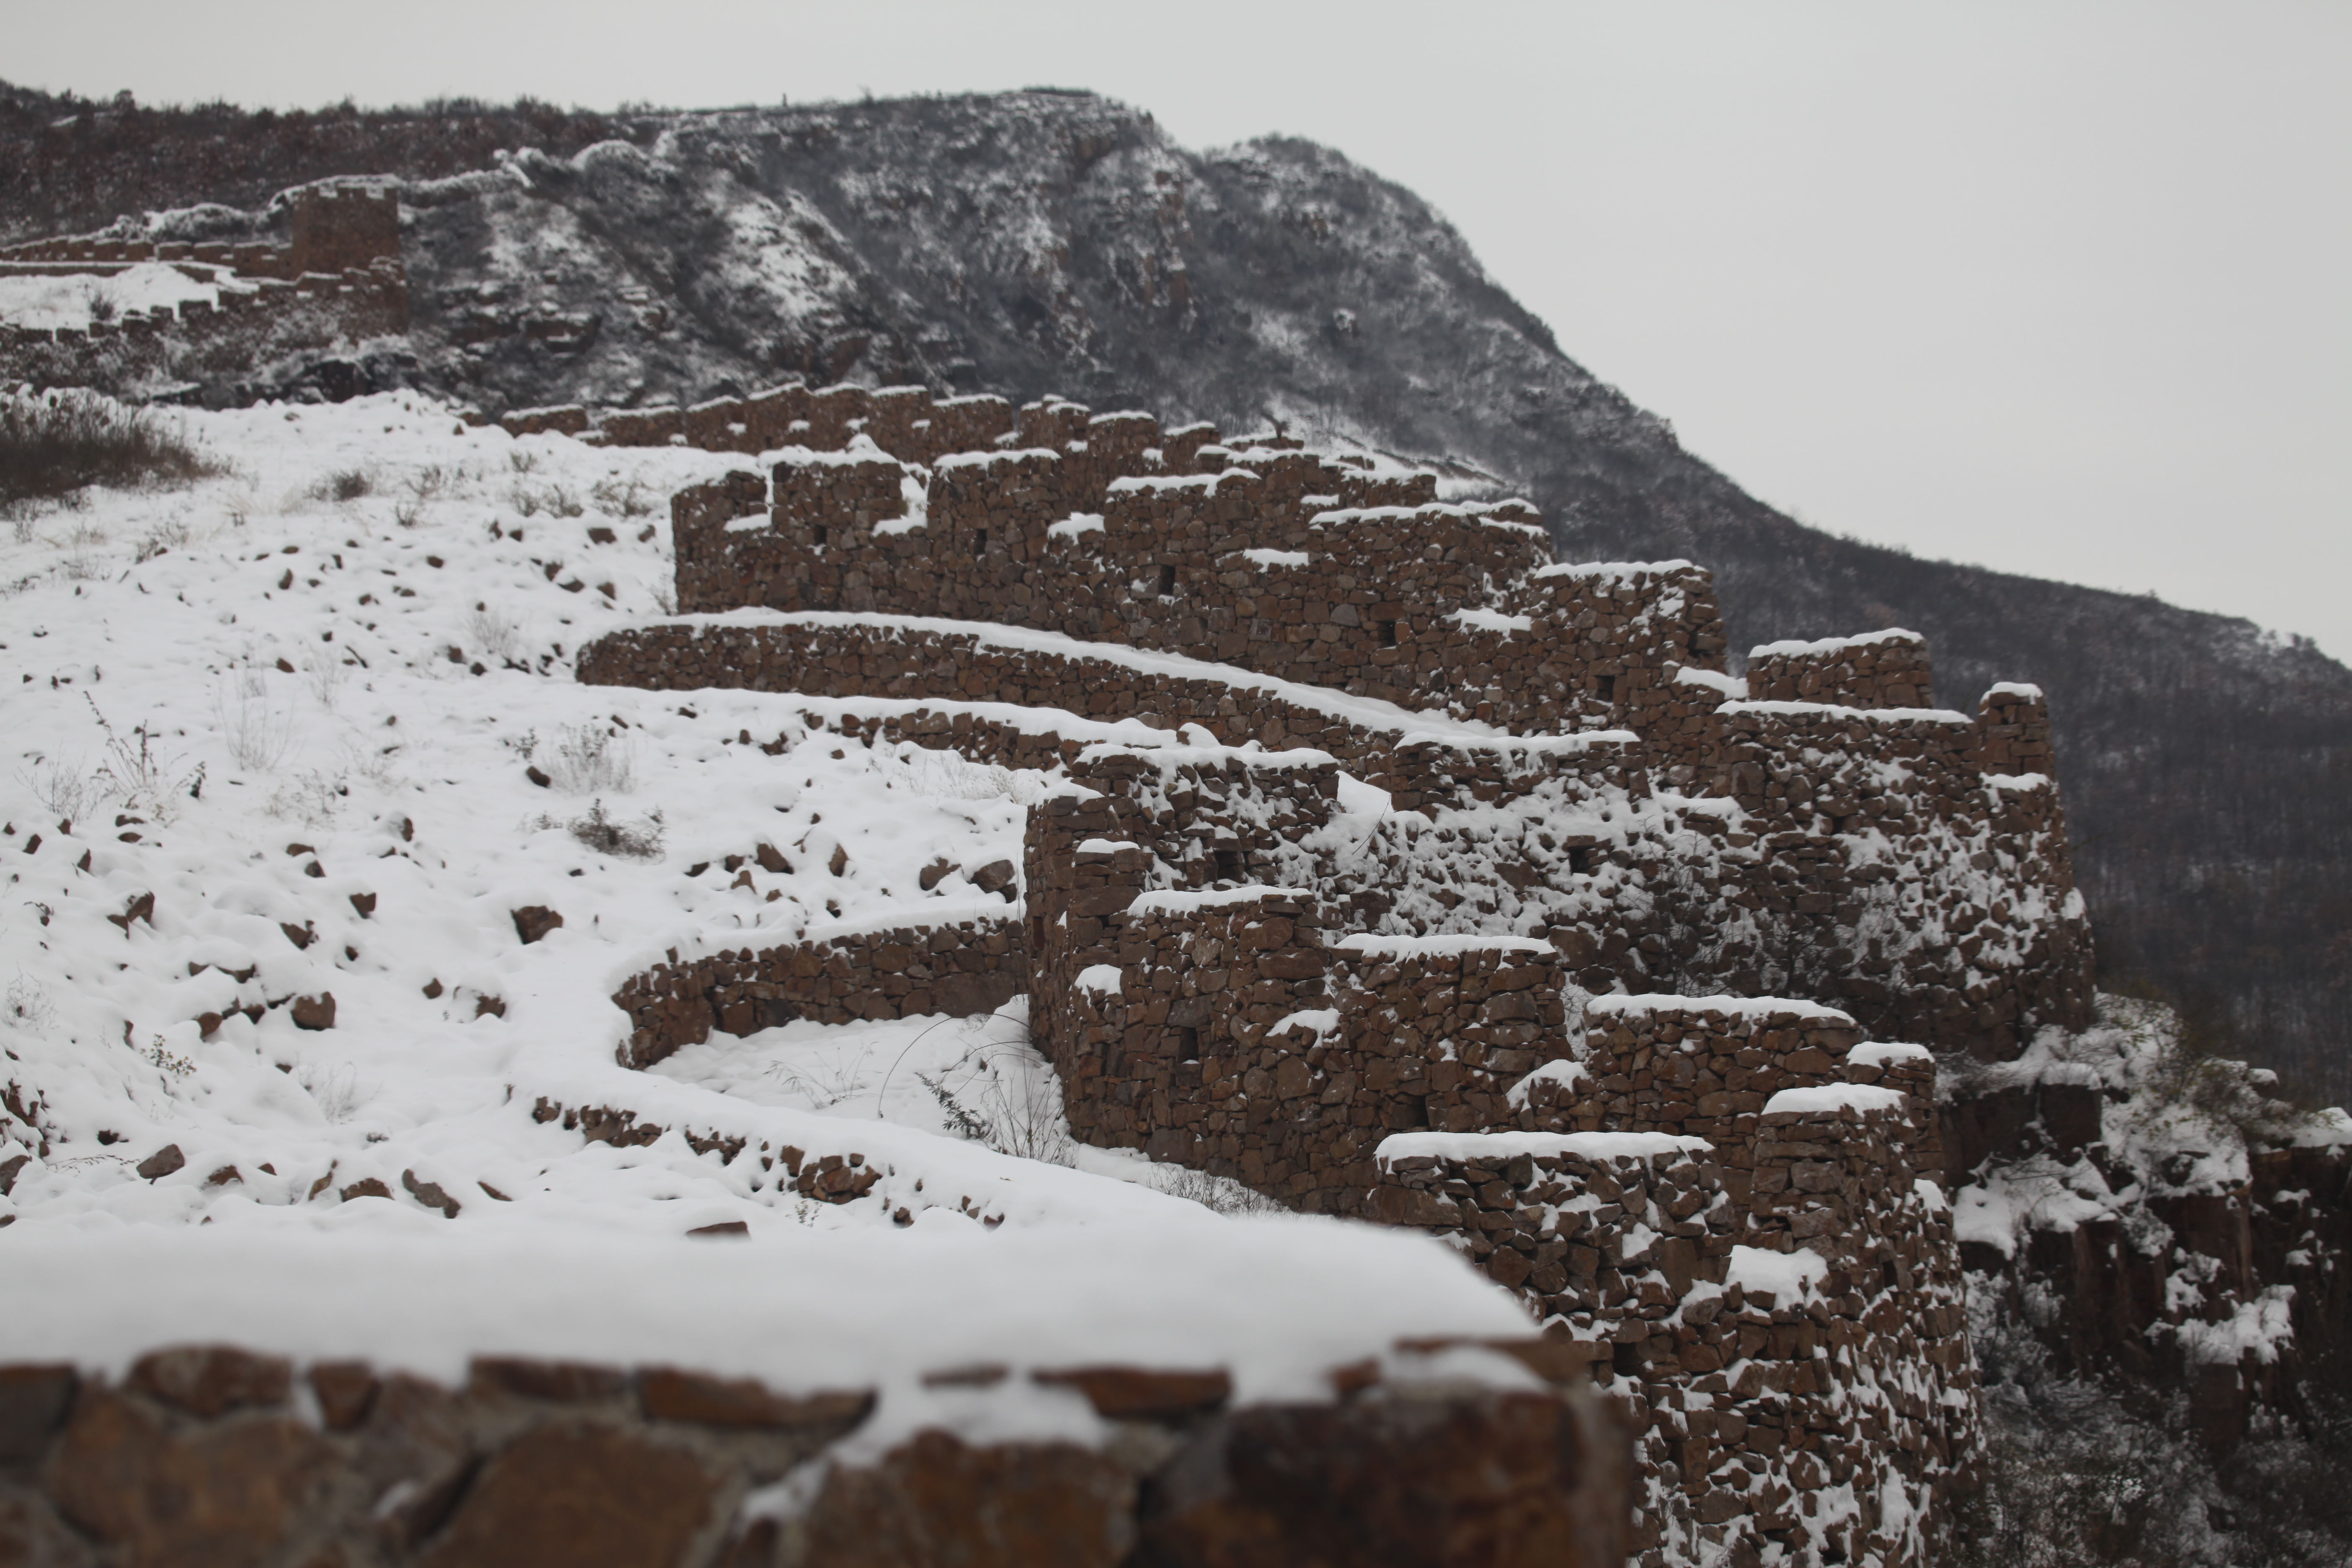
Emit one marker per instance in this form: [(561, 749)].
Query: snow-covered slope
[(307, 728)]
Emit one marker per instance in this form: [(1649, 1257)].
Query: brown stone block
[(581, 1497), (346, 1392), (670, 1394), (1496, 1481), (562, 1381), (208, 1380), (34, 1400), (1128, 1393), (1016, 1505), (226, 1495)]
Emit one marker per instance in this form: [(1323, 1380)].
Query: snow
[(1278, 1301), (401, 775), (1875, 1053), (1839, 710), (1101, 978), (1833, 1096), (1561, 1072), (1483, 1147), (1185, 903), (1612, 570), (2023, 689), (1392, 947), (1263, 558), (1789, 1277), (47, 300), (1493, 621), (989, 459), (1729, 686), (1749, 1007), (1823, 647), (1075, 524)]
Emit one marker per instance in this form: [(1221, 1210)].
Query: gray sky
[(2053, 286)]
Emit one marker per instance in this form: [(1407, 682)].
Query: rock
[(724, 1228), (565, 1381), (668, 1393), (1137, 1393), (580, 1497), (364, 903), (208, 1380), (1499, 1480), (994, 877), (433, 989), (8, 1169), (224, 1176), (532, 774), (32, 1534), (345, 1391), (771, 859), (534, 921), (1012, 1505), (215, 1497), (840, 861), (141, 907), (34, 1400), (162, 1161), (366, 1187), (431, 1194), (490, 1007), (932, 874), (314, 1012), (301, 935)]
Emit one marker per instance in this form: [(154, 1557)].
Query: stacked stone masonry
[(1461, 890), (209, 1454)]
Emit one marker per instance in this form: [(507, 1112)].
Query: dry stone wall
[(1780, 1311), (213, 1454)]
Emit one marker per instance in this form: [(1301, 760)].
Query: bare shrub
[(336, 1091), (325, 673), (65, 787), (421, 490), (487, 631), (617, 497), (608, 836), (1221, 1193), (53, 443), (137, 774), (1005, 1097), (343, 485), (162, 538), (257, 734), (590, 760), (27, 1005), (83, 545)]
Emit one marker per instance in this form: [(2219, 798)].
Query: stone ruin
[(1467, 890), (338, 280)]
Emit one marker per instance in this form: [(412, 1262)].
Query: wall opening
[(1580, 859), (1609, 689), (1388, 634), (1188, 1044), (979, 543), (820, 536), (1167, 581), (1229, 865)]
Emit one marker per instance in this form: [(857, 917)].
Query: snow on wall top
[(1834, 1096), (1437, 946), (1798, 646), (1185, 903), (1618, 570), (1750, 1007), (1483, 1146), (1839, 710), (1277, 1301)]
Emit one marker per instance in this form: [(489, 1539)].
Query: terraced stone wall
[(1780, 1314), (214, 1453)]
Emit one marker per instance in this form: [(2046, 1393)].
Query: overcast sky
[(2051, 286)]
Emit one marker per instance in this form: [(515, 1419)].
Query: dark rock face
[(1038, 242)]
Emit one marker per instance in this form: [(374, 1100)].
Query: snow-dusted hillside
[(274, 738)]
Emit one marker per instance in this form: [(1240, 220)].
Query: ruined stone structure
[(338, 280), (1462, 891)]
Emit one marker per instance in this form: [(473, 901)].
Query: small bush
[(57, 443), (642, 841), (615, 497), (589, 760), (491, 633), (343, 485)]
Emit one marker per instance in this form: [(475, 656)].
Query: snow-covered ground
[(37, 300), (298, 705)]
